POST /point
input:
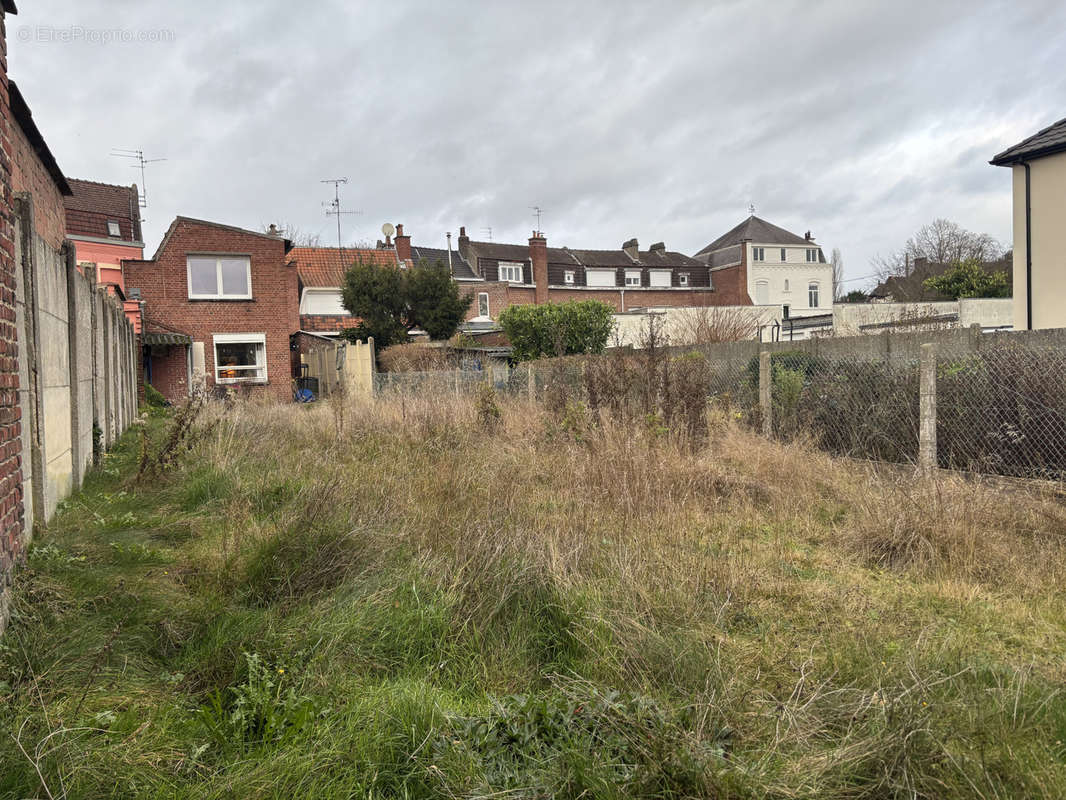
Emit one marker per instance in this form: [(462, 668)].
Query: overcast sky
[(859, 121)]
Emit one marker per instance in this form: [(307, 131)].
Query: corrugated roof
[(1046, 142), (324, 267), (755, 230), (92, 204)]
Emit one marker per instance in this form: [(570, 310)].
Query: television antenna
[(334, 209), (537, 211), (488, 232), (142, 162)]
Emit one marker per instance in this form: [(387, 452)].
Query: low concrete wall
[(676, 322), (855, 319)]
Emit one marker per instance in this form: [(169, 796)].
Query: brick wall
[(11, 508), (327, 323), (273, 310), (28, 174)]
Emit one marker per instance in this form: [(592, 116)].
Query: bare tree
[(940, 242), (837, 261), (713, 324)]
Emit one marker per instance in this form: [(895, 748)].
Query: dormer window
[(511, 271), (568, 277), (632, 277), (113, 228)]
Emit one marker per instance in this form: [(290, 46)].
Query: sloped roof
[(434, 255), (911, 288), (324, 267), (756, 230), (500, 251), (92, 204), (193, 221), (1046, 142)]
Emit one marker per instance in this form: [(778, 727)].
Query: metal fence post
[(927, 410), (765, 405), (456, 381)]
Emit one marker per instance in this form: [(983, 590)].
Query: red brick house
[(219, 306), (320, 273), (104, 222)]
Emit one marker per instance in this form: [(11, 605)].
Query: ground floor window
[(812, 295), (240, 358)]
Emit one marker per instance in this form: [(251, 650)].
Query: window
[(812, 255), (762, 293), (783, 258), (758, 254), (632, 277), (659, 277), (786, 285), (511, 271), (786, 310), (220, 278), (568, 276), (682, 279), (600, 277), (812, 295), (483, 304), (113, 229), (240, 358)]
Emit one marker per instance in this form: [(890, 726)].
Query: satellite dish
[(388, 229)]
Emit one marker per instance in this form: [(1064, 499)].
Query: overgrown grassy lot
[(425, 599)]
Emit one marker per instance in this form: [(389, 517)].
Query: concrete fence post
[(927, 461), (457, 381), (531, 382), (765, 394)]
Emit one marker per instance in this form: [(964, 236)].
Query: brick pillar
[(403, 244), (538, 257)]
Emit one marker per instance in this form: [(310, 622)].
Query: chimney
[(658, 247), (450, 270), (273, 230), (807, 236), (538, 256), (403, 244), (631, 248)]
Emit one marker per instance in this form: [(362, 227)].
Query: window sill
[(221, 299), (241, 381)]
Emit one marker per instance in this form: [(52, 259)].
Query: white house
[(784, 269)]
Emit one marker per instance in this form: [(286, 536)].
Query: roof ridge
[(126, 186)]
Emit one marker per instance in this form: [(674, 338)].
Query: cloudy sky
[(859, 121)]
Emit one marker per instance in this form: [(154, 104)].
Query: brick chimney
[(403, 244), (631, 248), (538, 256)]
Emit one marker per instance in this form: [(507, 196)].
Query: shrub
[(557, 329), (415, 357), (153, 398)]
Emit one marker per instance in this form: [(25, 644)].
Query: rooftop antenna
[(488, 232), (335, 206), (537, 210), (142, 162)]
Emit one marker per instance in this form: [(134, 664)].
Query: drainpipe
[(450, 253), (622, 294), (1028, 253)]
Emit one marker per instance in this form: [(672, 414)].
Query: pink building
[(104, 222)]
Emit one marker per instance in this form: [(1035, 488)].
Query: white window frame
[(511, 268), (568, 277), (784, 255), (812, 255), (240, 338), (682, 279), (117, 229), (218, 275), (813, 292), (633, 278), (758, 254), (485, 314)]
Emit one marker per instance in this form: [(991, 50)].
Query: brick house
[(104, 223), (320, 275), (219, 305)]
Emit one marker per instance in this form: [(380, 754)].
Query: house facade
[(320, 276), (783, 269), (1038, 164), (104, 223), (219, 304)]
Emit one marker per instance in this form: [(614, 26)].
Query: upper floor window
[(682, 279), (511, 271), (113, 228), (758, 254), (783, 255), (787, 289), (220, 277), (812, 255), (568, 276), (632, 277), (483, 304), (812, 295)]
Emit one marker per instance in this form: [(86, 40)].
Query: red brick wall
[(327, 323), (28, 174), (170, 372), (273, 310), (11, 507)]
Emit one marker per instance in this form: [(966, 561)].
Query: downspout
[(622, 294), (1028, 253)]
